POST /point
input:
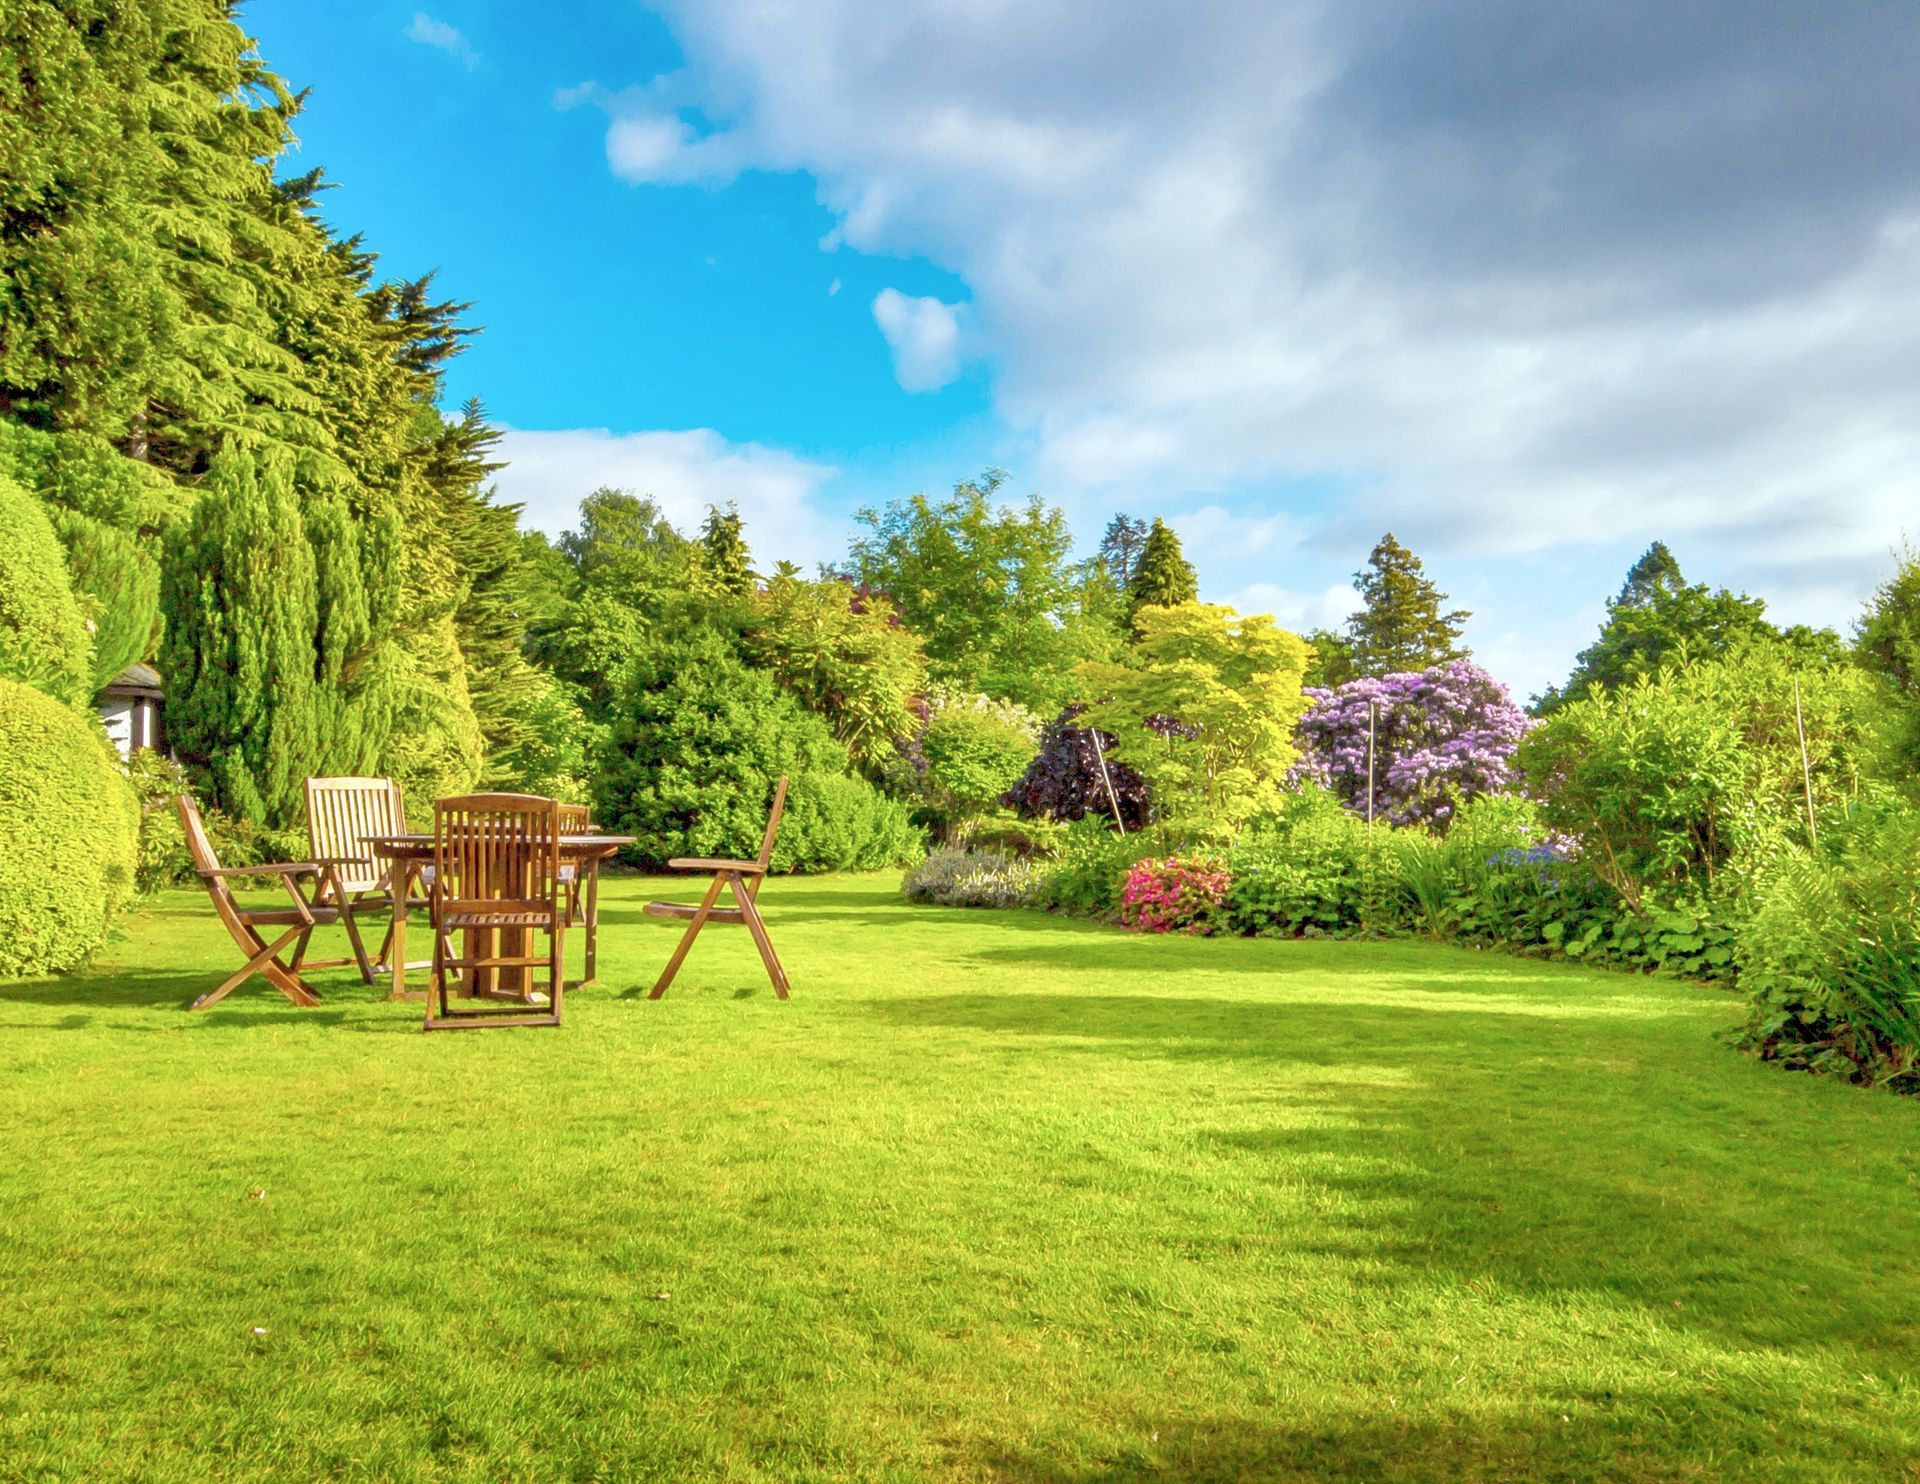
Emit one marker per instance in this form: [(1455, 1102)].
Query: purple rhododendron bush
[(1440, 737)]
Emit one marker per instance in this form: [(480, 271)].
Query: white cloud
[(924, 335), (550, 472), (1298, 611), (1533, 280), (438, 34)]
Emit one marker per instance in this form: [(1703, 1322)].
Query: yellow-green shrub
[(43, 637), (69, 823)]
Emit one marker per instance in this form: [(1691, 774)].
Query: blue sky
[(1529, 287)]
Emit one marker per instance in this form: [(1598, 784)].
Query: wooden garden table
[(411, 852)]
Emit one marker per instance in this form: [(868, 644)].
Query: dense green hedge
[(836, 822), (43, 637), (68, 826)]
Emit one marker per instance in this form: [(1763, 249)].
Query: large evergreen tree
[(1162, 578), (1656, 616), (1120, 548), (723, 555), (240, 596), (1401, 625)]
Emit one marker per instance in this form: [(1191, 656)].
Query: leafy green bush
[(163, 856), (836, 822), (1669, 781), (69, 825), (1831, 958), (971, 878), (696, 745), (1087, 876), (1307, 868), (43, 637), (974, 750)]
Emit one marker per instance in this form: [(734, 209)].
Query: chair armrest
[(702, 863), (277, 868)]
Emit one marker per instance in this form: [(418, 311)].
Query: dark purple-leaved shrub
[(1064, 782), (1441, 737)]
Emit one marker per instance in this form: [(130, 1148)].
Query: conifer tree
[(239, 594), (1163, 577), (1401, 627), (1657, 615), (1120, 548), (723, 554)]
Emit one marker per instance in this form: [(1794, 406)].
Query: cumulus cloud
[(1522, 277), (924, 336), (424, 29), (550, 472)]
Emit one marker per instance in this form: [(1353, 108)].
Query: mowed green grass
[(994, 1196)]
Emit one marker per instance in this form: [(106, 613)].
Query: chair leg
[(262, 963), (353, 937), (686, 939), (437, 977), (556, 970), (750, 914)]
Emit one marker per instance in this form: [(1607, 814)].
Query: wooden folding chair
[(496, 861), (582, 881), (743, 879), (244, 923), (343, 814)]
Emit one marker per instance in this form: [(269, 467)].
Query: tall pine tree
[(1120, 548), (1657, 615), (1162, 578), (1401, 627), (723, 556)]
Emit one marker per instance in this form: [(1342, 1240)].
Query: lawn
[(994, 1196)]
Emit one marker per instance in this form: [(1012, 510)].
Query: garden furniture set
[(498, 872)]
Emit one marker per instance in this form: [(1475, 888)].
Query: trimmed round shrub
[(836, 822), (43, 637), (69, 826)]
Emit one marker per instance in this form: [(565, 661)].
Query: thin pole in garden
[(1100, 756), (1369, 767), (1806, 768)]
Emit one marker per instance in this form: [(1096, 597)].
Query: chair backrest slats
[(195, 829), (342, 815), (773, 825), (575, 819), (496, 848)]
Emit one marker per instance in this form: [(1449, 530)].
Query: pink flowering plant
[(1182, 893)]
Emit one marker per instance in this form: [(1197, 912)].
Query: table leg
[(401, 882), (592, 868)]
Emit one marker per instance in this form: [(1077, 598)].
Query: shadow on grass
[(1476, 1144), (177, 990), (1595, 1434)]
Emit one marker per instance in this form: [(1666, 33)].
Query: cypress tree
[(1163, 577), (118, 584), (1401, 627), (239, 594), (723, 553)]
